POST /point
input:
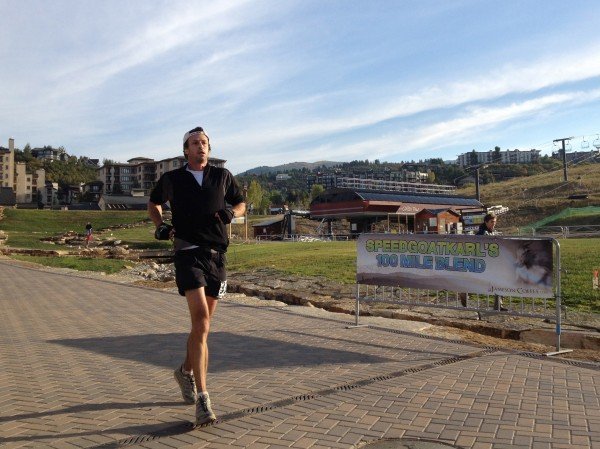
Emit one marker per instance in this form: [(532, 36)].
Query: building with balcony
[(577, 156), (498, 157), (49, 154), (139, 173), (400, 180)]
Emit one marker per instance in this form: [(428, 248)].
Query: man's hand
[(163, 231), (225, 215)]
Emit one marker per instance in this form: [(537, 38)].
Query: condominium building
[(139, 173), (393, 186), (49, 154), (498, 157), (7, 165), (27, 187), (400, 180)]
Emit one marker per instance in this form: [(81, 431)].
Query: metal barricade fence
[(543, 307), (304, 238)]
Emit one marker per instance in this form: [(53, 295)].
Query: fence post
[(357, 308), (558, 303)]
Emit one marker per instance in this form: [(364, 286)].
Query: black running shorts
[(200, 267)]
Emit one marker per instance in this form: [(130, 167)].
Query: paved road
[(88, 363)]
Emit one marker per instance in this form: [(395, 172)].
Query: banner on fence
[(463, 263)]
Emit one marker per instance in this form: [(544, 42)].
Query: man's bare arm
[(155, 213)]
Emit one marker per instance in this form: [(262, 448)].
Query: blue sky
[(281, 81)]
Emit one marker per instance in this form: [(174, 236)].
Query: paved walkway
[(89, 363)]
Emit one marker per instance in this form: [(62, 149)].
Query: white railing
[(563, 231)]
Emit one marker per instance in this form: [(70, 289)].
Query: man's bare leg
[(198, 309), (201, 310)]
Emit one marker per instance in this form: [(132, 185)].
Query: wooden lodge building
[(398, 211)]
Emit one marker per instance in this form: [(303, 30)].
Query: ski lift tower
[(564, 154)]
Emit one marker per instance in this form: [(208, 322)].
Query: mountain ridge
[(289, 166)]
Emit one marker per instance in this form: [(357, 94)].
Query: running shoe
[(204, 413), (188, 386)]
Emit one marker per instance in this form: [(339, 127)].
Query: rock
[(118, 252)]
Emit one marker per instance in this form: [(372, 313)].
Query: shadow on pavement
[(147, 432), (228, 351), (90, 408)]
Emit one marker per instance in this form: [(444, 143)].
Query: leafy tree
[(69, 172), (497, 157), (276, 198), (255, 194), (264, 205), (430, 176), (316, 190), (473, 158)]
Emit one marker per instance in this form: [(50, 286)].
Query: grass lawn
[(333, 260), (579, 259), (108, 266), (26, 227)]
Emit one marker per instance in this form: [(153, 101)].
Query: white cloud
[(293, 125), (472, 121), (268, 86)]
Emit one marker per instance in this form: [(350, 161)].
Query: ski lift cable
[(523, 203), (582, 158), (550, 191)]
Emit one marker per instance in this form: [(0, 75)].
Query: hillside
[(532, 198), (264, 169)]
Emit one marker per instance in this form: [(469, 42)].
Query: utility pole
[(477, 184), (246, 212), (564, 155)]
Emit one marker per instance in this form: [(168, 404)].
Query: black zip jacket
[(194, 206)]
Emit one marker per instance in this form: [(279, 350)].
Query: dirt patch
[(440, 331), (452, 333)]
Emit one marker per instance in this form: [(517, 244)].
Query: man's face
[(197, 150), (491, 223)]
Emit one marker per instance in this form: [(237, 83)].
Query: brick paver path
[(89, 363)]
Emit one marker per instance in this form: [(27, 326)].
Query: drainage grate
[(577, 363), (407, 443)]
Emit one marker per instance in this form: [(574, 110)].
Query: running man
[(203, 199)]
